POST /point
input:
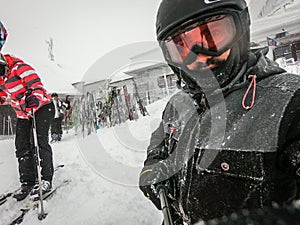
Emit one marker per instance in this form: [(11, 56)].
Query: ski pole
[(42, 213), (165, 206)]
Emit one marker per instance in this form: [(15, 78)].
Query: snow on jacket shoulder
[(22, 77)]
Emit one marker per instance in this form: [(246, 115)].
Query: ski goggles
[(211, 36)]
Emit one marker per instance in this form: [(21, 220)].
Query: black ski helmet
[(172, 13)]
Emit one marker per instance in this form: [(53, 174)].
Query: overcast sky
[(82, 30), (79, 25)]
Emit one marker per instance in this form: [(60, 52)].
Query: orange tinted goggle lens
[(213, 37)]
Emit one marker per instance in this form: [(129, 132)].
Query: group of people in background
[(60, 108)]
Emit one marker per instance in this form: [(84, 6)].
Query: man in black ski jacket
[(230, 140)]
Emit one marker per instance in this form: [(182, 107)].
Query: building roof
[(120, 77), (147, 68)]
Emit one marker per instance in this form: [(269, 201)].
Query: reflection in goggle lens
[(211, 37)]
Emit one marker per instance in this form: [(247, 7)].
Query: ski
[(128, 103), (4, 197), (34, 204), (139, 101)]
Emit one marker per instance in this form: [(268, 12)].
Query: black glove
[(156, 176), (289, 160), (2, 100), (32, 101)]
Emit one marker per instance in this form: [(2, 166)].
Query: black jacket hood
[(259, 65)]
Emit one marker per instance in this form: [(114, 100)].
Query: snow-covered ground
[(103, 169), (289, 65)]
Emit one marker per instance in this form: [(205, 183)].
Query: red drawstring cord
[(253, 82)]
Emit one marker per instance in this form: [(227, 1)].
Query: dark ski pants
[(24, 144), (56, 125)]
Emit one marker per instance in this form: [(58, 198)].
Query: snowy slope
[(266, 7), (90, 198), (269, 26)]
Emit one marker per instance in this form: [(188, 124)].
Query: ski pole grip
[(165, 206)]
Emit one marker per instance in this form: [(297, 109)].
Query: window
[(161, 82), (288, 56), (283, 51), (278, 52), (297, 49), (171, 80), (287, 50), (298, 55)]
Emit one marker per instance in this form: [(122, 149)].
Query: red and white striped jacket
[(20, 78)]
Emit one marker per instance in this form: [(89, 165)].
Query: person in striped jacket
[(22, 87)]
